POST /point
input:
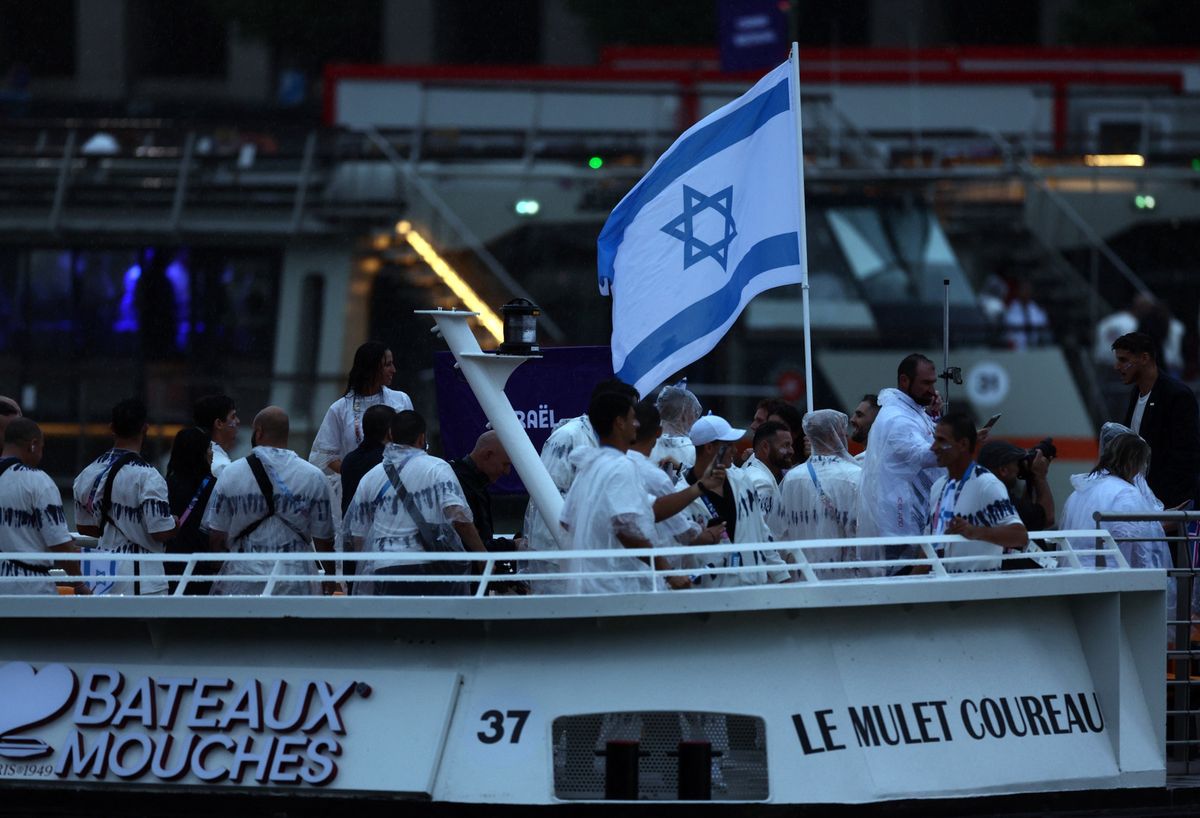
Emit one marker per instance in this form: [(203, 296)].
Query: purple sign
[(753, 34), (543, 391)]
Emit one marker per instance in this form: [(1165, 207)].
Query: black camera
[(1024, 465)]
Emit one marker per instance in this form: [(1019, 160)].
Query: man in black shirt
[(486, 464), (377, 432), (1164, 412), (713, 438)]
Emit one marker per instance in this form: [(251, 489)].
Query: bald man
[(33, 520), (486, 464), (271, 502)]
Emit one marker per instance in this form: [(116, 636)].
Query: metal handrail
[(1165, 516), (941, 567), (1181, 656)]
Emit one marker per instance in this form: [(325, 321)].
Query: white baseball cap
[(711, 427)]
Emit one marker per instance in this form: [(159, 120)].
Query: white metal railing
[(1183, 652), (855, 559)]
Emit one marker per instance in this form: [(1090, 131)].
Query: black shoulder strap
[(425, 532), (264, 482), (106, 495), (268, 493)]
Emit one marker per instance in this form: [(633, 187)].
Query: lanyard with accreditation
[(943, 514)]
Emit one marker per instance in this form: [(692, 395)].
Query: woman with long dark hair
[(189, 485), (367, 385)]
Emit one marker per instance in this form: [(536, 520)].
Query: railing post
[(535, 121), (1100, 561), (806, 569), (270, 586), (181, 180), (935, 564), (485, 578), (310, 150), (418, 137), (186, 577), (64, 177)]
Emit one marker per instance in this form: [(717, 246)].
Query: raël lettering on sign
[(149, 728), (928, 722), (540, 418)]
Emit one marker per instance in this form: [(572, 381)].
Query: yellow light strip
[(487, 317), (66, 429), (1114, 160)]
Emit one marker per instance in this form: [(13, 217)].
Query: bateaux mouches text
[(928, 722), (149, 728)]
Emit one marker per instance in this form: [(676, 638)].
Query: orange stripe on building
[(1069, 448)]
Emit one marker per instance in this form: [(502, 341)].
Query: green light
[(1144, 201), (1196, 165), (595, 163)]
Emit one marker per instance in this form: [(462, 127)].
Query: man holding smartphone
[(735, 503)]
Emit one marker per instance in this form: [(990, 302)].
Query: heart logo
[(29, 697)]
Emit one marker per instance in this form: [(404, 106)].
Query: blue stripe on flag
[(711, 312), (686, 154)]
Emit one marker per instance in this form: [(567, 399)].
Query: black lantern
[(520, 327)]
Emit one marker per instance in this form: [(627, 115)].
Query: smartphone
[(991, 421), (672, 469), (721, 452), (714, 521)]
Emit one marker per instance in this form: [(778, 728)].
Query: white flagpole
[(803, 237)]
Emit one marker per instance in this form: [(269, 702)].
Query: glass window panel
[(107, 283), (49, 306), (899, 253), (11, 320)]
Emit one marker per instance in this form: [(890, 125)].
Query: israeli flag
[(715, 222)]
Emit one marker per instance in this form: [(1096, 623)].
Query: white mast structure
[(487, 373), (802, 235)]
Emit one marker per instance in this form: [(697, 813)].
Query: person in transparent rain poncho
[(1118, 484), (608, 508), (679, 409), (900, 467), (672, 525), (568, 437), (819, 497)]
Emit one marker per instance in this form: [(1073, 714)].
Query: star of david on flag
[(715, 222), (683, 226)]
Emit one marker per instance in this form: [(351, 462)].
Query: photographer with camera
[(1013, 465)]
